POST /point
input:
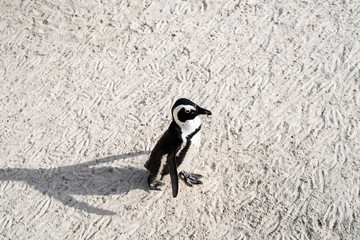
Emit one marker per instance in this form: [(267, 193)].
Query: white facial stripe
[(190, 125), (187, 107)]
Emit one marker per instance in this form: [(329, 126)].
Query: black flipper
[(171, 161)]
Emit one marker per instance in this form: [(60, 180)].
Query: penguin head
[(185, 112)]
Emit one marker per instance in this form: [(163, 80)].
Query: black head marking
[(184, 115), (183, 101), (189, 113)]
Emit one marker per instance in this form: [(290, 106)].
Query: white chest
[(192, 146), (193, 142), (188, 130)]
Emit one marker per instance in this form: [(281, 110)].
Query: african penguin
[(177, 146)]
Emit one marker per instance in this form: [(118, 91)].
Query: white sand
[(86, 91)]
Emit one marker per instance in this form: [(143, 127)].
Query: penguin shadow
[(87, 178)]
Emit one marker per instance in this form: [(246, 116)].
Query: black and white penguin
[(177, 146)]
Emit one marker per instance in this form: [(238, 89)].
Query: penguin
[(176, 147)]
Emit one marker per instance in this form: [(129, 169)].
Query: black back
[(168, 144)]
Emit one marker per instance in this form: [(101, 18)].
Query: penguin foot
[(190, 178), (155, 185)]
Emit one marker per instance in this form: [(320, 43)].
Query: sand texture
[(87, 88)]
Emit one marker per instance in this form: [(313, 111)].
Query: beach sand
[(87, 88)]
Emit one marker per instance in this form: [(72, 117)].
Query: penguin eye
[(187, 110)]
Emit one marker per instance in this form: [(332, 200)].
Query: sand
[(86, 91)]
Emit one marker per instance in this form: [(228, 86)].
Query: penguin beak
[(203, 111)]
